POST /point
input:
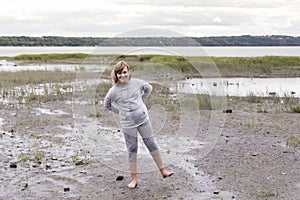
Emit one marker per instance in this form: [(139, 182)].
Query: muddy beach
[(44, 154), (59, 143)]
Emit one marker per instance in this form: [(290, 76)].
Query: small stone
[(254, 154), (48, 166), (216, 192), (13, 165), (66, 189), (54, 158), (35, 165), (79, 162), (119, 178), (227, 111)]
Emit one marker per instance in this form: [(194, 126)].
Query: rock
[(79, 162), (119, 178), (254, 154), (13, 165), (216, 192), (48, 166), (54, 158), (35, 165), (227, 111)]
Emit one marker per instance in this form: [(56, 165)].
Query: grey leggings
[(131, 139)]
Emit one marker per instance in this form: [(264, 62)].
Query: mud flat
[(43, 156)]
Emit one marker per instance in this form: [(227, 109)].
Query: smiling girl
[(126, 98)]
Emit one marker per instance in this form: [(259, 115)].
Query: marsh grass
[(35, 86), (293, 141), (288, 103), (102, 88), (50, 58), (8, 79), (39, 155), (266, 66)]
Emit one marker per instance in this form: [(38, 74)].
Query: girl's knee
[(151, 145), (132, 157)]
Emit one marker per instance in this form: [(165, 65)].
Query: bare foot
[(166, 173), (132, 184)]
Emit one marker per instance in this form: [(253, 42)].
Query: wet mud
[(47, 152)]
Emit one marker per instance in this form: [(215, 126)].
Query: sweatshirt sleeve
[(108, 102), (147, 88)]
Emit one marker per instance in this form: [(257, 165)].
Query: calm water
[(183, 51), (242, 86), (228, 86)]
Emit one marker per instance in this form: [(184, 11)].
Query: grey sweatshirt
[(127, 100)]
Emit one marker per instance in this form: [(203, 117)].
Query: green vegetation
[(39, 155), (267, 66), (46, 57), (26, 86), (9, 79), (293, 141), (244, 40), (287, 103)]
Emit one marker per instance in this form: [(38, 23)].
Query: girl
[(126, 98)]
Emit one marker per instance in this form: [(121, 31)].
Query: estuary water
[(242, 86), (181, 51), (222, 86)]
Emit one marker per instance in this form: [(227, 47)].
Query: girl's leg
[(132, 147), (146, 132), (159, 162), (133, 173)]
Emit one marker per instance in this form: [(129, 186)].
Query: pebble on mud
[(13, 165), (79, 162), (216, 192), (119, 178)]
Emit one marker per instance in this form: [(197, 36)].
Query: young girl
[(126, 98)]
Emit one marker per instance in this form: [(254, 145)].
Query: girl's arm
[(108, 102), (147, 88)]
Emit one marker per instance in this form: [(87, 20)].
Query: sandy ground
[(45, 154)]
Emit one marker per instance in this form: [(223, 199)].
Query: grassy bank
[(267, 66), (9, 79)]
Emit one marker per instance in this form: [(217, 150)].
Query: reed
[(269, 66), (8, 79)]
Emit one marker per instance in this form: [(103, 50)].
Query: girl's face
[(124, 75)]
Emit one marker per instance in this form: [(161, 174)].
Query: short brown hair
[(117, 69)]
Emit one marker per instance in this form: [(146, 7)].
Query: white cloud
[(189, 17)]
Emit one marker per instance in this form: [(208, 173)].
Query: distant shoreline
[(244, 40)]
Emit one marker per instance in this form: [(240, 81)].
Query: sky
[(114, 18)]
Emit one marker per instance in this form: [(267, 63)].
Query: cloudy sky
[(110, 18)]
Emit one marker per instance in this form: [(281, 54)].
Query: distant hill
[(244, 40)]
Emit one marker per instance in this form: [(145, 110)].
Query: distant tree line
[(244, 40)]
